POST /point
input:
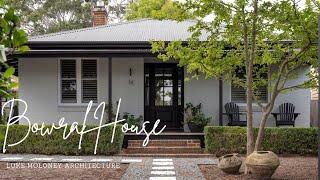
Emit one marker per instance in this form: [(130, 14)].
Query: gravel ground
[(184, 168), (291, 168), (60, 173)]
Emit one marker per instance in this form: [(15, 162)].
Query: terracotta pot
[(230, 163), (262, 164)]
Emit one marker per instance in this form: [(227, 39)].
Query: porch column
[(110, 89), (220, 102)]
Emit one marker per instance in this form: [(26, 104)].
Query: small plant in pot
[(197, 120), (131, 120)]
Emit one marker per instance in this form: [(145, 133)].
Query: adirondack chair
[(286, 115), (233, 113)]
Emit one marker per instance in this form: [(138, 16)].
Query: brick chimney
[(99, 14)]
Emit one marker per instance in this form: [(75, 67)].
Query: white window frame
[(79, 81)]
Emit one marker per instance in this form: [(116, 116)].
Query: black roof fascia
[(87, 53), (90, 45)]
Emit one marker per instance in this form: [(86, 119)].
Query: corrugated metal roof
[(143, 30)]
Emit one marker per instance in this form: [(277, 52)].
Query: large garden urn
[(230, 163), (262, 164)]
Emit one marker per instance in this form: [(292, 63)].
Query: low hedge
[(55, 144), (222, 139)]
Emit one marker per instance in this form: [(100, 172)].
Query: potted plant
[(131, 120), (197, 120)]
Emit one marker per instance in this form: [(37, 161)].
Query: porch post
[(110, 89), (220, 102)]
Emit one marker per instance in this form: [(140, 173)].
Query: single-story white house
[(63, 71)]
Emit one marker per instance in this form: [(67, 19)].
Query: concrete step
[(163, 150), (181, 155)]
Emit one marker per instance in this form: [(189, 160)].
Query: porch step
[(164, 146), (184, 155), (190, 143)]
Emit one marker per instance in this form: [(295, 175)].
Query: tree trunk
[(250, 137), (260, 136), (265, 114), (249, 76)]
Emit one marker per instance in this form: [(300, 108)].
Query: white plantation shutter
[(89, 80), (68, 85), (238, 94)]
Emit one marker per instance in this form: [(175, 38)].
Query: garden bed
[(290, 168)]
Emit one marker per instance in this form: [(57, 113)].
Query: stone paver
[(140, 168)]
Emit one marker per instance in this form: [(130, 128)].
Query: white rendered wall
[(39, 87)]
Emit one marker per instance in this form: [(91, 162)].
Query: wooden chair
[(233, 113), (286, 115)]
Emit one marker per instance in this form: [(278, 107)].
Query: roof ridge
[(86, 29)]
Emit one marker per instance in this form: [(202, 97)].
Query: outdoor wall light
[(130, 72)]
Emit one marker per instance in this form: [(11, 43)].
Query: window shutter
[(68, 81), (263, 94), (89, 80), (238, 94)]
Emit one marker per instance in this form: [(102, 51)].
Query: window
[(78, 81), (164, 87), (238, 94), (89, 81)]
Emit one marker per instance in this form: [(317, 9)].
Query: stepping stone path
[(162, 169)]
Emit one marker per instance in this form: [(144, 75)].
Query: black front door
[(164, 94)]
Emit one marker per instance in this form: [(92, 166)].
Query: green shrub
[(131, 120), (55, 144), (224, 139)]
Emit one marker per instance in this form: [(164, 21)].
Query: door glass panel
[(167, 96), (159, 96), (168, 82)]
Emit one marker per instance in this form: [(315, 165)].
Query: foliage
[(54, 143), (223, 139), (40, 17), (275, 37), (12, 39), (131, 120), (198, 118), (48, 16), (156, 9)]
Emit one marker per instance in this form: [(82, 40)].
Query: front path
[(139, 167)]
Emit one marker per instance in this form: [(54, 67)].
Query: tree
[(157, 9), (11, 39), (274, 37), (49, 16), (40, 17)]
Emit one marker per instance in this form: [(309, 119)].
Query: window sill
[(76, 107), (255, 107)]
